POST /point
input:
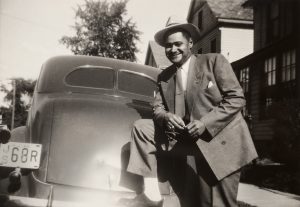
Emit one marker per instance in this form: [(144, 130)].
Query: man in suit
[(196, 117)]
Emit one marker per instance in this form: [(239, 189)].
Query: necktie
[(179, 95)]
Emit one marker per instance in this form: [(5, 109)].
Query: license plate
[(22, 155)]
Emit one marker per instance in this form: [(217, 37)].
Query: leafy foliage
[(286, 146), (101, 30), (285, 149), (23, 88), (286, 143)]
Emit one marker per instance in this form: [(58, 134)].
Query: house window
[(269, 102), (244, 79), (288, 66), (279, 77), (273, 20), (269, 90), (270, 71), (200, 51), (200, 20), (213, 46)]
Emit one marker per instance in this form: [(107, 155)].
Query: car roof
[(55, 69)]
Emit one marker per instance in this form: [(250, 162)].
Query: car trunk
[(87, 139)]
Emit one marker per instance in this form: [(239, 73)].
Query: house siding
[(204, 43), (287, 22), (288, 39), (151, 61), (232, 42), (262, 129), (209, 21), (209, 30), (236, 43)]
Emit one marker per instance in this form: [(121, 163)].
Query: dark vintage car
[(81, 116)]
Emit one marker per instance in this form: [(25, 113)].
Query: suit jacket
[(215, 97)]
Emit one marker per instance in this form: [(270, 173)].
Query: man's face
[(178, 47)]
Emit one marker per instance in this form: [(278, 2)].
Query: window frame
[(213, 45), (135, 73), (270, 71), (244, 79), (90, 67), (288, 66), (280, 90)]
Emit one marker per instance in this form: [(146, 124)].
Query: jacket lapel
[(194, 79), (168, 89)]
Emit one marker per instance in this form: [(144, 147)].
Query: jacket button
[(223, 142)]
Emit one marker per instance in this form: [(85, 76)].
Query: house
[(226, 27), (156, 57), (270, 74)]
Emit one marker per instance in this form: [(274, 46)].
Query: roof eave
[(249, 3), (189, 16), (194, 8), (235, 21), (147, 54)]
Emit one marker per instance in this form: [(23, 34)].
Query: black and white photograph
[(149, 103)]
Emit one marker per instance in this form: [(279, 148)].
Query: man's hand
[(172, 121), (195, 129)]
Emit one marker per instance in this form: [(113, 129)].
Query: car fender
[(19, 134)]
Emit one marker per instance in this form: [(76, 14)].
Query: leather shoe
[(141, 200)]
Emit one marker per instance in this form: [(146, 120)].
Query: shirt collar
[(185, 65)]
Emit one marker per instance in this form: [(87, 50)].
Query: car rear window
[(95, 77), (136, 83)]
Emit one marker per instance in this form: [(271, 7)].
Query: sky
[(30, 30)]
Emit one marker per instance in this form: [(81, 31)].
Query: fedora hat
[(174, 23)]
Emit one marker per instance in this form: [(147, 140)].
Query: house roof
[(158, 54), (231, 9), (227, 9)]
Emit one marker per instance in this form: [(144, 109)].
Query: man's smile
[(175, 55)]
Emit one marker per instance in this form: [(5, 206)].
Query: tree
[(102, 30), (23, 88), (286, 142)]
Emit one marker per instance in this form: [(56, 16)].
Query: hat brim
[(190, 28)]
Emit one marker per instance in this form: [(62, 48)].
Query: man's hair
[(185, 33)]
